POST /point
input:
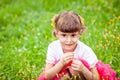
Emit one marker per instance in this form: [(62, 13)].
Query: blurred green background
[(26, 31)]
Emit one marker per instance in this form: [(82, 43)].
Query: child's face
[(68, 40)]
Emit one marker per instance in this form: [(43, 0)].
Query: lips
[(68, 44)]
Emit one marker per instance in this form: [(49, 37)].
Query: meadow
[(26, 31)]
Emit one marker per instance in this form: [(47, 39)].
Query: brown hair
[(69, 22)]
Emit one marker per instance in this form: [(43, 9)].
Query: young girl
[(69, 56)]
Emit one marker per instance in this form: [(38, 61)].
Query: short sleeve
[(90, 57), (50, 54)]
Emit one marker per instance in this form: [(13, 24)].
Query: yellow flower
[(53, 24), (118, 17), (53, 20), (82, 20)]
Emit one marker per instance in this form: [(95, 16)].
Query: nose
[(68, 40)]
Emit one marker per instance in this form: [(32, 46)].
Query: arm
[(51, 69), (55, 69), (89, 75)]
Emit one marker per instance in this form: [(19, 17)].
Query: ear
[(82, 30), (55, 32)]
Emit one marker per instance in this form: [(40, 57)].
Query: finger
[(74, 65), (68, 57), (70, 53), (77, 62), (68, 60), (74, 68)]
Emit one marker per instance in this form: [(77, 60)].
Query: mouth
[(68, 44)]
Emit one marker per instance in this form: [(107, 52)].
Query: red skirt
[(104, 70)]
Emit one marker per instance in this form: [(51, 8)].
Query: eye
[(73, 35), (63, 35)]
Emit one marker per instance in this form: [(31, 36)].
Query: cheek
[(62, 43), (61, 40), (75, 40), (72, 42)]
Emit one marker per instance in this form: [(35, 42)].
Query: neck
[(72, 50)]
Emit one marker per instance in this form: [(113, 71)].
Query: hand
[(77, 65), (67, 57)]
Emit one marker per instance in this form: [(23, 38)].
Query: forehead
[(59, 32)]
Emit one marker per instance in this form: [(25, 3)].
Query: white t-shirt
[(82, 51)]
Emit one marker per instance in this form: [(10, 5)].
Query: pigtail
[(81, 20), (54, 23), (82, 23), (53, 20)]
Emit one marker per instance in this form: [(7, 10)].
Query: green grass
[(26, 31)]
